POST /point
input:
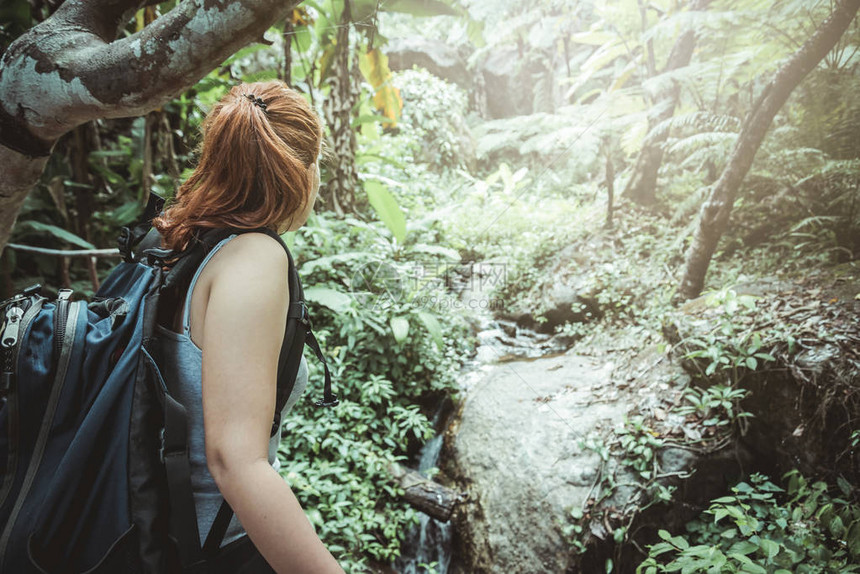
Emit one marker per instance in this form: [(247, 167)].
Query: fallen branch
[(423, 494)]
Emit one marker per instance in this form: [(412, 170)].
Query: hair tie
[(256, 101)]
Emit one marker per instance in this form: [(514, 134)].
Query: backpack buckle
[(331, 401), (155, 256), (125, 243), (306, 317)]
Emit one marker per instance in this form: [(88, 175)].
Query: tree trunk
[(20, 174), (287, 69), (642, 185), (339, 193), (71, 68), (610, 185), (715, 212)]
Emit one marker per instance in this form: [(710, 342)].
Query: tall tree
[(72, 68), (339, 192), (642, 185), (715, 212)]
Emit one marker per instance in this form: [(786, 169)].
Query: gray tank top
[(182, 367)]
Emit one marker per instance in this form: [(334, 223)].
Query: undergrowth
[(761, 528), (390, 354)]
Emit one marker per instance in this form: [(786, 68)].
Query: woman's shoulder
[(250, 258), (254, 248)]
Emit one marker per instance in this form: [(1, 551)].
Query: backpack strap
[(299, 327)]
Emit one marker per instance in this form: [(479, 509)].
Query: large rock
[(502, 84), (436, 57), (561, 302), (515, 449), (563, 294), (803, 400), (507, 84)]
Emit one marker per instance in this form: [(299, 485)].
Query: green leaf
[(743, 547), (433, 327), (57, 232), (475, 31), (447, 252), (386, 207), (769, 547), (335, 300), (370, 119), (127, 213), (844, 486), (302, 38), (400, 328), (751, 363), (837, 527), (853, 538), (289, 238), (595, 38)]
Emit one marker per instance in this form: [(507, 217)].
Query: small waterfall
[(427, 547)]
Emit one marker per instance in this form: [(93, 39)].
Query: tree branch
[(79, 76), (104, 18)]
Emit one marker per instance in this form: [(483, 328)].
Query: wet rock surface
[(516, 451)]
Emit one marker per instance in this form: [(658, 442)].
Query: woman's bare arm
[(242, 331)]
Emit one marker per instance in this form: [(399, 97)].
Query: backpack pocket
[(122, 556), (79, 504)]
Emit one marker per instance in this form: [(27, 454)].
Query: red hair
[(254, 168)]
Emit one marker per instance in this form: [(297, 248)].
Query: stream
[(427, 548)]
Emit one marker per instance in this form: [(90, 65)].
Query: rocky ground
[(536, 437)]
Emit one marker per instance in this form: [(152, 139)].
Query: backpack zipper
[(62, 313), (14, 314), (29, 307), (60, 318)]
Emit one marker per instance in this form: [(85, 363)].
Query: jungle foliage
[(440, 185)]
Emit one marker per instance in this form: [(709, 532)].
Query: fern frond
[(697, 160), (688, 145), (797, 161), (696, 122)]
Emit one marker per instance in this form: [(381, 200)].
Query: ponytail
[(254, 168)]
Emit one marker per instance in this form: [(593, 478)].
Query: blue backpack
[(93, 446)]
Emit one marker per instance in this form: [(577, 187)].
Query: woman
[(258, 168)]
